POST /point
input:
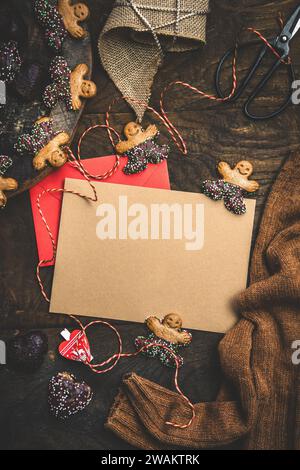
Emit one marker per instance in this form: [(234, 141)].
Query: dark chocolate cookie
[(67, 396), (27, 351)]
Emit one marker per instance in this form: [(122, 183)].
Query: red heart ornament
[(77, 347)]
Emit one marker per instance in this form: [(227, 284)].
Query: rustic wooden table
[(212, 131)]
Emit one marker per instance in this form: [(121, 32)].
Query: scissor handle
[(261, 85), (241, 88)]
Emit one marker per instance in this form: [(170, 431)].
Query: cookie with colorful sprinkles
[(49, 17), (66, 396), (165, 340), (141, 148), (69, 86), (44, 144), (233, 187)]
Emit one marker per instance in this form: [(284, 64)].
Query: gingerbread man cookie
[(72, 15), (48, 16), (44, 144), (239, 175), (6, 184), (233, 187), (81, 87), (68, 86), (166, 333), (141, 148)]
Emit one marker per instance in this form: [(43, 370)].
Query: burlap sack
[(139, 32)]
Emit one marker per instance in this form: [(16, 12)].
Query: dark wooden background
[(212, 132)]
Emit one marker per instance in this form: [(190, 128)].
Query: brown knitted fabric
[(256, 355)]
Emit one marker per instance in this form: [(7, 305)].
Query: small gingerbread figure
[(44, 144), (72, 15), (6, 184), (68, 86), (239, 175), (49, 17), (141, 148), (233, 187), (166, 333)]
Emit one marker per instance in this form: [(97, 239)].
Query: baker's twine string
[(77, 163), (97, 368), (174, 132), (163, 115), (114, 359)]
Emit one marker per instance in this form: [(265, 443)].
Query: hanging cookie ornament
[(6, 184), (233, 187), (168, 333), (61, 19), (44, 144), (68, 86), (141, 148), (66, 396)]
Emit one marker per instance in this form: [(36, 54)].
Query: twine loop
[(113, 360)]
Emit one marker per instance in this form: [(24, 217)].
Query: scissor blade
[(293, 25), (296, 29)]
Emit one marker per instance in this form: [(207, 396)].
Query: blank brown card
[(140, 251)]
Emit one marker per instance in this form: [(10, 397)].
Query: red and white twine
[(98, 368), (175, 135), (112, 361)]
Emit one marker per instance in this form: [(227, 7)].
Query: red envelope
[(155, 176)]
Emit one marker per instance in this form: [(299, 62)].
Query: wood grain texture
[(213, 132)]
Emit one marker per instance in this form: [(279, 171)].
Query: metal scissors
[(282, 45)]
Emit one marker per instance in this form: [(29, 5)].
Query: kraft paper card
[(142, 251)]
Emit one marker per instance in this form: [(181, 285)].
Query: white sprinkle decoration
[(67, 396)]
